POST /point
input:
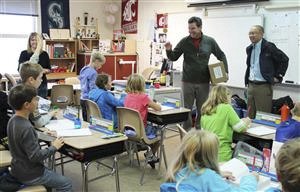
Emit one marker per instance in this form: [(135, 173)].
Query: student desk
[(257, 141), (5, 158), (76, 87), (164, 118), (265, 137), (87, 149)]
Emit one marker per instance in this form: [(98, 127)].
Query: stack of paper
[(261, 130), (66, 128), (240, 169), (61, 124), (74, 132), (165, 108)]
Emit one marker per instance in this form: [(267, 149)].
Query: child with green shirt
[(219, 117)]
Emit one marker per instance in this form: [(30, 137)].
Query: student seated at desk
[(87, 77), (288, 166), (137, 99), (31, 74), (291, 128), (27, 164), (105, 99), (219, 117), (196, 164)]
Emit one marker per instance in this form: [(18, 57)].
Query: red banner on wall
[(162, 20), (129, 16)]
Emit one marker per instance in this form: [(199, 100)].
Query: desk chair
[(131, 118), (5, 161), (92, 110), (77, 93), (182, 131), (72, 81), (62, 95), (11, 80), (2, 148), (148, 72)]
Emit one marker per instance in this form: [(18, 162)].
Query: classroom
[(149, 95)]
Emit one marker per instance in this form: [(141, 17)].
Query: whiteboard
[(177, 29), (286, 36), (231, 34)]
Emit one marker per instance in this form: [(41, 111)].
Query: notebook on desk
[(240, 169), (74, 132), (260, 130), (61, 124)]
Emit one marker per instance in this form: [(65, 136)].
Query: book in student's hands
[(239, 169)]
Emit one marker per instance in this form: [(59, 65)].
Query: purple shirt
[(87, 79)]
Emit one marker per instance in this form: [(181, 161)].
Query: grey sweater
[(195, 62), (27, 156)]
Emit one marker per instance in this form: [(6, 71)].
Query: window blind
[(19, 7)]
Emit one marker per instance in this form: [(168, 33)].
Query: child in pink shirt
[(138, 100)]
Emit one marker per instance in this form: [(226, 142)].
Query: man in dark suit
[(266, 65)]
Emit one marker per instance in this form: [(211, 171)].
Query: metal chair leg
[(116, 168), (62, 164)]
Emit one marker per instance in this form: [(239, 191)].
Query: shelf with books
[(63, 58), (87, 45)]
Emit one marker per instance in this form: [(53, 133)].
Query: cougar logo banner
[(129, 15)]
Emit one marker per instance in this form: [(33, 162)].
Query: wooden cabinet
[(86, 45), (63, 58), (112, 65)]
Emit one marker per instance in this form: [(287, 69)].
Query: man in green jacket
[(196, 49)]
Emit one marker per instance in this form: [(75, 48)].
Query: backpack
[(7, 182), (238, 102), (277, 104), (287, 130)]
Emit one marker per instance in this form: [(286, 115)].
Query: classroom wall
[(147, 10), (146, 18), (96, 9)]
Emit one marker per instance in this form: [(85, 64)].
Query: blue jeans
[(52, 180)]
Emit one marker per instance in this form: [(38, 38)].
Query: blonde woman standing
[(197, 165), (219, 117), (35, 54)]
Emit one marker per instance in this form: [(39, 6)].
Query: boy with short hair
[(288, 165), (27, 156), (87, 77), (31, 74)]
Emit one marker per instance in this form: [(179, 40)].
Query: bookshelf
[(63, 58), (87, 45)]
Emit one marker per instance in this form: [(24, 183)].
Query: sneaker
[(152, 159), (152, 162)]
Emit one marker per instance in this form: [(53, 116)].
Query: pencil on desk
[(253, 163)]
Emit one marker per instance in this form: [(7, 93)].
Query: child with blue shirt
[(87, 77), (291, 128), (105, 99), (197, 165)]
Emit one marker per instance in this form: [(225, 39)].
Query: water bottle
[(284, 112), (167, 80), (77, 123), (151, 92)]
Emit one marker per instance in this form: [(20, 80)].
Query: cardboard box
[(217, 73)]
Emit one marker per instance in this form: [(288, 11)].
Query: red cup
[(157, 85)]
